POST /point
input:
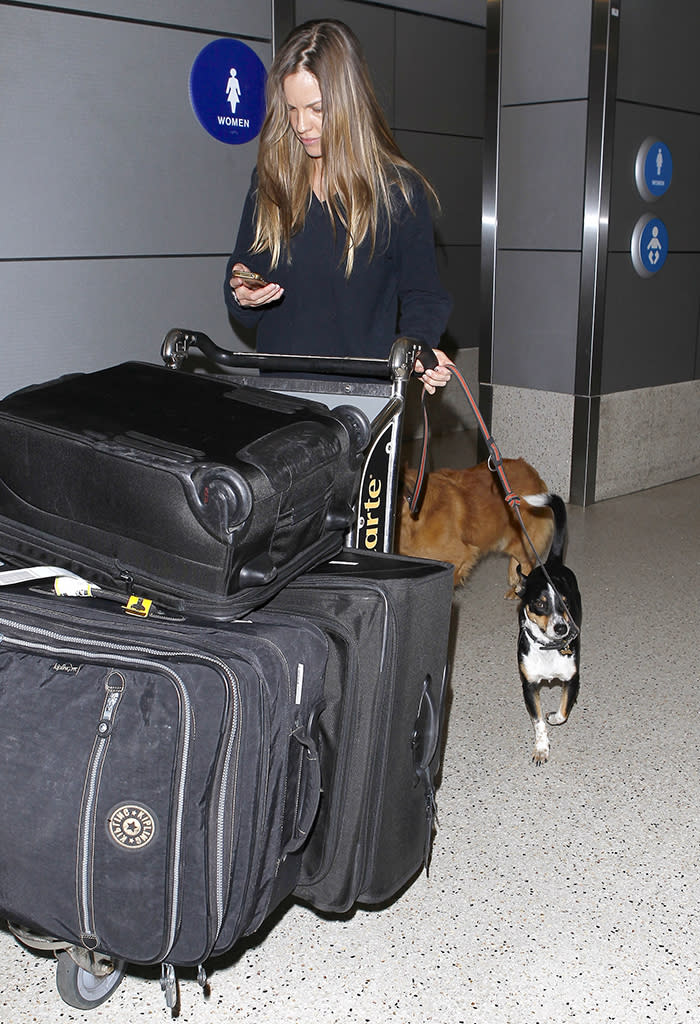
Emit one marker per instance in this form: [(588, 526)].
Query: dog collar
[(563, 646)]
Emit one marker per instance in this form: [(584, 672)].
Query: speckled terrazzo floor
[(565, 893)]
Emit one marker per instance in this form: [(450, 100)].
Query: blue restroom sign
[(653, 169), (227, 91), (649, 245)]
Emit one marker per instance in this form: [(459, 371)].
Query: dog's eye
[(539, 606)]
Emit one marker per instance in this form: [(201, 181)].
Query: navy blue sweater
[(396, 293)]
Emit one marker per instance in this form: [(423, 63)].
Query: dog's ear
[(519, 587)]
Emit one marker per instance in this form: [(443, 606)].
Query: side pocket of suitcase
[(104, 776), (290, 658)]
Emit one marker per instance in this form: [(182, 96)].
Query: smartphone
[(251, 279)]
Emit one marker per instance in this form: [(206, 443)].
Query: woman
[(336, 221)]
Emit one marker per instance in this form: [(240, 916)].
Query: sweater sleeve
[(245, 316), (424, 305)]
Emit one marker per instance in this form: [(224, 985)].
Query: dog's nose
[(561, 628)]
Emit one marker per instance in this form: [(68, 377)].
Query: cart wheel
[(81, 988)]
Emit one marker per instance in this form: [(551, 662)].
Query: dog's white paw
[(555, 718), (540, 753)]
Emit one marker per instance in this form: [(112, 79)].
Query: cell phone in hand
[(251, 279)]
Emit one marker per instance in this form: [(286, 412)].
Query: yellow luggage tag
[(138, 606)]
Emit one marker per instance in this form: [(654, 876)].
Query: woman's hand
[(439, 375), (257, 295)]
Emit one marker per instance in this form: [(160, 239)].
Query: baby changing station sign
[(649, 245), (227, 91)]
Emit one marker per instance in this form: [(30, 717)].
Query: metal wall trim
[(602, 95), (489, 207)]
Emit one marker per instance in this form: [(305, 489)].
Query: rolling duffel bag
[(193, 490), (158, 779), (387, 620)]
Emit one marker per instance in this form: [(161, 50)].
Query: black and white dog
[(550, 620)]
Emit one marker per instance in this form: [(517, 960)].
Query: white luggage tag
[(66, 583)]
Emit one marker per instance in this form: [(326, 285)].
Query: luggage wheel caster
[(169, 987), (85, 980)]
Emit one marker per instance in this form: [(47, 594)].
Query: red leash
[(495, 460), (495, 463)]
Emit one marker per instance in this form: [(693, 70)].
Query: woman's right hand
[(247, 296)]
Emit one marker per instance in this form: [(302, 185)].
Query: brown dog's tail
[(558, 508)]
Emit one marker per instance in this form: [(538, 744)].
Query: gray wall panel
[(545, 48), (658, 62), (535, 320), (453, 166), (679, 208), (651, 325), (86, 314), (237, 17), (541, 176), (374, 27), (107, 157), (473, 11), (459, 272), (440, 69)]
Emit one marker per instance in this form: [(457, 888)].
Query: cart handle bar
[(404, 353)]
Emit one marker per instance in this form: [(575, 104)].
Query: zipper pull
[(114, 689)]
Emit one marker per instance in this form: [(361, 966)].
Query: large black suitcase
[(158, 779), (194, 490), (387, 619)]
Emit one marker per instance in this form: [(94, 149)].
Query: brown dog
[(464, 515)]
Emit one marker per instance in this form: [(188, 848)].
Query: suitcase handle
[(308, 792), (426, 730), (400, 363)]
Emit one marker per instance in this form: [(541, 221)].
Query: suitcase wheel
[(85, 988), (356, 424)]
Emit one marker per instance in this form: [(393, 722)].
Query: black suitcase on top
[(190, 489), (158, 779), (387, 620)]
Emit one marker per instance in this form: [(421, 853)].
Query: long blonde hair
[(361, 161)]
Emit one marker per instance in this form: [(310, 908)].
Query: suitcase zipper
[(100, 650), (86, 828)]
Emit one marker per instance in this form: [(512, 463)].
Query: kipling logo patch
[(65, 666), (131, 826)]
